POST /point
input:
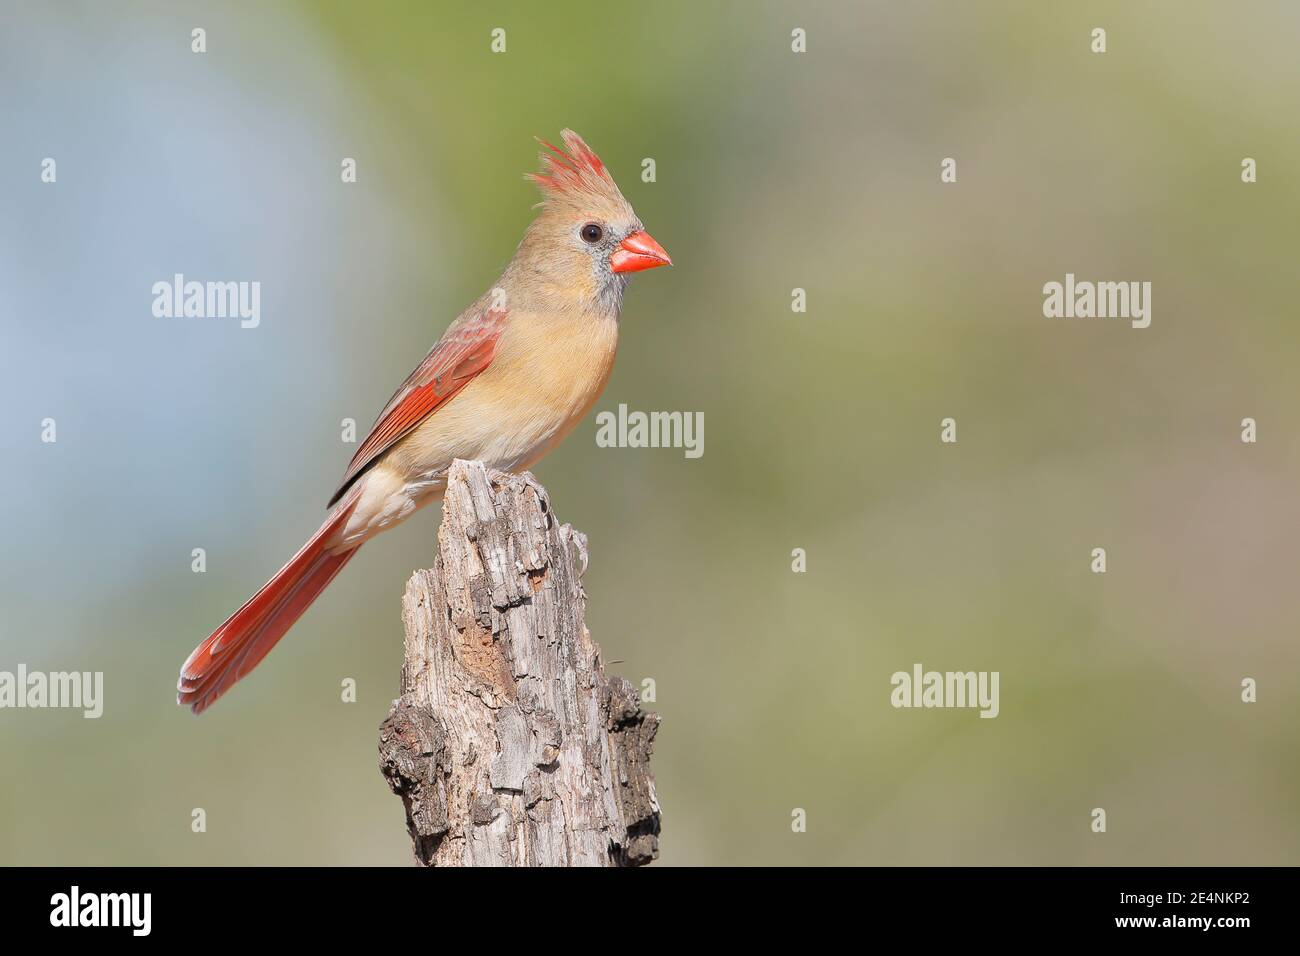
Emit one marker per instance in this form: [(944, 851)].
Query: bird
[(505, 383)]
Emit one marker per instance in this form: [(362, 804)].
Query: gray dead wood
[(509, 746)]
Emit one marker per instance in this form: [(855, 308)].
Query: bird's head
[(586, 239)]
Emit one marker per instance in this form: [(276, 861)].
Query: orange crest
[(575, 170)]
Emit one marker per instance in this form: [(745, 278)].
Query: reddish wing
[(466, 349)]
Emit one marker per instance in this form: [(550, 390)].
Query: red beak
[(638, 251)]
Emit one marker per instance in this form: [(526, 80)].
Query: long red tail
[(248, 635)]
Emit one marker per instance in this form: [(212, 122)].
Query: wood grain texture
[(509, 746)]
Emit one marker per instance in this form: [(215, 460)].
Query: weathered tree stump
[(509, 746)]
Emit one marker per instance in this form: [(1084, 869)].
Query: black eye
[(592, 233)]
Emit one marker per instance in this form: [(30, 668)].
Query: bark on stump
[(509, 746)]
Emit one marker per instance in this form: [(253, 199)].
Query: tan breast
[(547, 373)]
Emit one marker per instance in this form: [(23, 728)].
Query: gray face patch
[(610, 285)]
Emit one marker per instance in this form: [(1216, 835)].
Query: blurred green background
[(774, 171)]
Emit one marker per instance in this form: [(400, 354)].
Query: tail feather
[(247, 636)]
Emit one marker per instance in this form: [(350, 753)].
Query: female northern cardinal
[(507, 381)]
